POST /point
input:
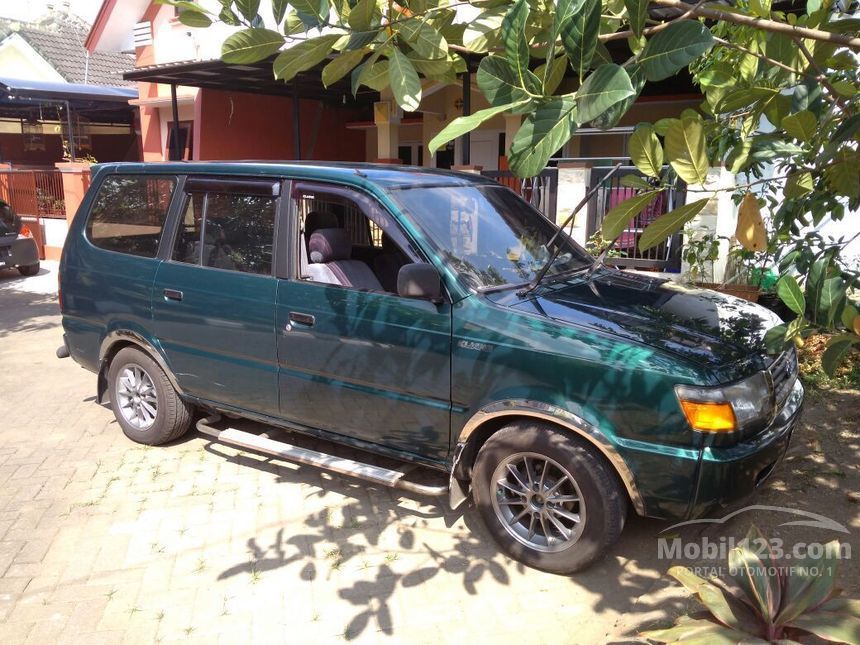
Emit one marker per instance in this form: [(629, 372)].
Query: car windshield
[(8, 224), (488, 234)]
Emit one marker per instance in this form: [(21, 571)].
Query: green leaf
[(372, 73), (579, 36), (696, 631), (611, 117), (424, 39), (830, 626), (832, 294), (498, 82), (669, 223), (741, 98), (799, 185), (616, 220), (843, 174), (674, 48), (543, 132), (279, 10), (248, 8), (750, 574), (722, 605), (635, 181), (789, 292), (551, 79), (463, 124), (646, 151), (514, 38), (196, 19), (774, 338), (801, 125), (811, 582), (739, 156), (849, 315), (661, 126), (303, 56), (250, 46), (405, 84), (685, 149), (605, 87), (482, 33), (637, 14), (312, 12), (341, 66), (361, 17)]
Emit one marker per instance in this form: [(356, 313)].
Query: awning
[(19, 89), (254, 78)]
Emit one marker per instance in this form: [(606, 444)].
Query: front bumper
[(20, 253), (731, 474)]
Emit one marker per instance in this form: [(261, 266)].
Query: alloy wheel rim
[(538, 502), (138, 401)]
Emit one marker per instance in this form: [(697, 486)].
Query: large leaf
[(810, 583), (751, 575), (605, 87), (514, 38), (637, 14), (774, 339), (342, 65), (801, 125), (498, 81), (674, 48), (646, 151), (616, 220), (685, 149), (611, 117), (373, 73), (789, 292), (669, 223), (303, 56), (829, 626), (722, 605), (832, 296), (579, 36), (750, 231), (543, 132), (424, 39), (250, 46), (843, 175), (700, 632), (194, 17), (405, 84), (463, 124), (482, 33), (312, 12), (361, 17), (552, 75), (248, 8), (799, 184), (279, 10)]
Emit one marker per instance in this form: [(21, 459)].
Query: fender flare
[(127, 336), (565, 419)]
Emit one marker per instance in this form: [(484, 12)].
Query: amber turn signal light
[(709, 417)]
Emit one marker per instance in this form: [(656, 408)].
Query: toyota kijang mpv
[(435, 331)]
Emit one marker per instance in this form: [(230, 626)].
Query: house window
[(186, 141)]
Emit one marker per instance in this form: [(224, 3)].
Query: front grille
[(783, 373)]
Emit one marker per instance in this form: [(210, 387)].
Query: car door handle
[(302, 319), (172, 294)]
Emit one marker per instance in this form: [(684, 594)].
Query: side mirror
[(419, 280)]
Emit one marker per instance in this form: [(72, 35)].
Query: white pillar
[(573, 180), (719, 217), (386, 116)]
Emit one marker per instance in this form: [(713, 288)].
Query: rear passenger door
[(213, 299)]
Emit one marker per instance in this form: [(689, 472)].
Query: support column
[(386, 116), (573, 181), (719, 217)]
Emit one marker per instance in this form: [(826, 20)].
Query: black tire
[(30, 269), (605, 503), (173, 415)]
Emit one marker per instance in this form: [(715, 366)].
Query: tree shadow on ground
[(362, 527), (22, 311)]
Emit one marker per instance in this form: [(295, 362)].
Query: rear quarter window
[(129, 212)]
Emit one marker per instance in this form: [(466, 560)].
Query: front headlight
[(726, 408)]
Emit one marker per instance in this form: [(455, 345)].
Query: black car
[(17, 247)]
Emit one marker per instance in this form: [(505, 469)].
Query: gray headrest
[(315, 220), (329, 245)]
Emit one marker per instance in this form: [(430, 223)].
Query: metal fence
[(37, 193)]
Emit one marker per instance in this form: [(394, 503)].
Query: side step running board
[(367, 472)]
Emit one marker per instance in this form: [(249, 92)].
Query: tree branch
[(774, 26), (837, 98)]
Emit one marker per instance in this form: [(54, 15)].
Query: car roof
[(385, 176)]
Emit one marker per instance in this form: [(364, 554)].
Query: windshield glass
[(488, 234)]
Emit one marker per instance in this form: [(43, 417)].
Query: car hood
[(704, 326)]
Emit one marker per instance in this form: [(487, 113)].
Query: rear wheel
[(143, 400), (547, 498), (30, 269)]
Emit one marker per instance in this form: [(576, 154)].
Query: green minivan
[(437, 332)]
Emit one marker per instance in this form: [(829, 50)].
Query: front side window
[(227, 231), (487, 234), (129, 213)]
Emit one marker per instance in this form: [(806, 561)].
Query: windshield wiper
[(531, 286)]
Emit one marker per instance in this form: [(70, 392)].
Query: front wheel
[(143, 400), (547, 498)]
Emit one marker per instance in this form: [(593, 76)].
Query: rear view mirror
[(419, 280)]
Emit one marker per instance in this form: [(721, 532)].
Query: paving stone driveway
[(103, 540)]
